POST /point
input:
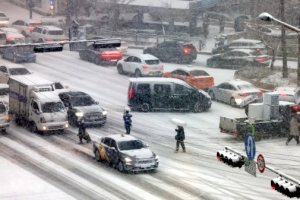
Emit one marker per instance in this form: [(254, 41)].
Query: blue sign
[(250, 146)]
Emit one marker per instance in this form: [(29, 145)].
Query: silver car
[(235, 92), (286, 93)]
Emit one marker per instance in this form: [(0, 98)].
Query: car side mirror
[(146, 145), (37, 112), (96, 102)]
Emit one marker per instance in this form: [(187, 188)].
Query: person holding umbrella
[(180, 136)]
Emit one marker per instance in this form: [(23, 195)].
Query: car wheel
[(196, 107), (138, 73), (145, 107), (121, 167), (212, 95), (33, 127), (120, 69), (97, 156), (232, 102)]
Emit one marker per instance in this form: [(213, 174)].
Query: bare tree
[(162, 16)]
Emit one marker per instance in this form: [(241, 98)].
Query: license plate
[(114, 60)]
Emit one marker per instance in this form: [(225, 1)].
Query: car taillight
[(260, 59), (187, 50), (130, 93), (145, 66), (212, 79), (259, 93), (111, 55), (49, 40), (30, 28), (62, 40), (162, 66), (282, 94), (244, 94), (257, 49), (10, 38), (7, 118)]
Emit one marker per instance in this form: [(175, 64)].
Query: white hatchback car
[(141, 65), (8, 70)]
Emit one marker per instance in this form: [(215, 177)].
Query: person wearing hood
[(180, 137), (127, 120), (294, 127), (82, 134)]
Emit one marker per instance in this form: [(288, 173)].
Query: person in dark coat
[(294, 128), (222, 24), (180, 137), (127, 120), (82, 134)]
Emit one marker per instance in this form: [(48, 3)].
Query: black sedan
[(238, 58), (98, 55), (173, 51), (19, 54)]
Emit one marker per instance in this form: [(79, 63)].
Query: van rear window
[(2, 15), (152, 62), (55, 32), (199, 73)]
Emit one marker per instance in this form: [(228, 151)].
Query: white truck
[(35, 105)]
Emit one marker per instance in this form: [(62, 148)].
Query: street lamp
[(267, 17)]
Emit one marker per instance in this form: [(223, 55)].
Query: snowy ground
[(37, 167)]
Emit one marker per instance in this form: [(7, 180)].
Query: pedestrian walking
[(127, 120), (222, 24), (180, 137), (294, 127), (82, 134)]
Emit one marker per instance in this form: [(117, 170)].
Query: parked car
[(196, 77), (43, 34), (238, 58), (98, 55), (173, 51), (141, 65), (4, 20), (286, 93), (126, 153), (8, 70), (82, 107), (13, 36), (234, 92), (256, 45), (20, 53), (26, 26), (147, 94), (123, 48)]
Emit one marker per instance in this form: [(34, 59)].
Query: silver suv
[(47, 34)]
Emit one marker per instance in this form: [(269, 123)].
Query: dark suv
[(173, 51), (82, 107)]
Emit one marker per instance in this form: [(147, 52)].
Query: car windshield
[(285, 89), (245, 86), (130, 145), (152, 62), (199, 73), (50, 107), (255, 53), (19, 71), (82, 101), (2, 108), (55, 32), (2, 15), (22, 48)]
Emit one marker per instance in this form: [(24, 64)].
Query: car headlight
[(79, 114), (156, 158), (128, 159), (104, 112)]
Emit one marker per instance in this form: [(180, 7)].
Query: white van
[(47, 34)]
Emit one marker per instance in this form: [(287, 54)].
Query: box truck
[(35, 105)]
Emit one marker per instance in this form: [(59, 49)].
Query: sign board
[(250, 146), (250, 167), (261, 164), (77, 33)]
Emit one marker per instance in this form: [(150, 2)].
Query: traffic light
[(230, 158), (48, 48), (285, 187)]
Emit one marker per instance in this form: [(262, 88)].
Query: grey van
[(146, 94)]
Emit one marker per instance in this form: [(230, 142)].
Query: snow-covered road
[(64, 164)]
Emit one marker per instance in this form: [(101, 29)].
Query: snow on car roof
[(156, 79), (120, 138), (51, 28), (247, 40), (147, 57), (47, 96), (10, 30), (285, 89), (239, 82), (9, 66)]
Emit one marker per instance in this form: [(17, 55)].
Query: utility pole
[(30, 5), (283, 42)]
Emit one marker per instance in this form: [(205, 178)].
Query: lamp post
[(267, 17)]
